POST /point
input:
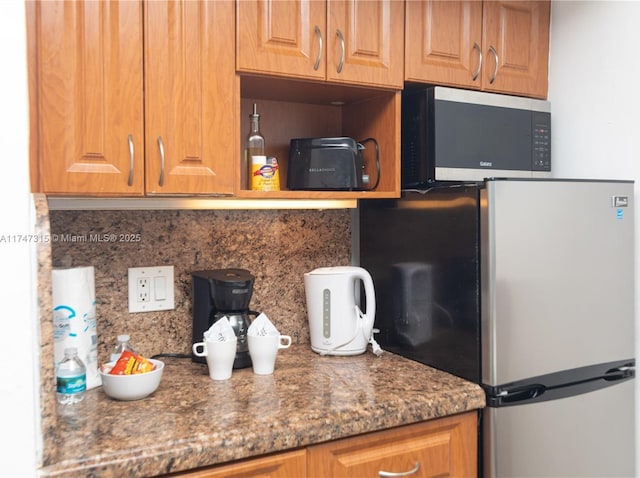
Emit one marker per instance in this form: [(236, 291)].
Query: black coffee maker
[(223, 292)]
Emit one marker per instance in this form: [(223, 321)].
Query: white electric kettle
[(336, 323)]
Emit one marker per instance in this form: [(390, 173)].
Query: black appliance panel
[(422, 254), (480, 136)]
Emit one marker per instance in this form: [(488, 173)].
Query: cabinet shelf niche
[(301, 109)]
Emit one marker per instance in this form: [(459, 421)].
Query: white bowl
[(132, 387)]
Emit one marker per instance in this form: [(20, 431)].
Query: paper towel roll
[(74, 317)]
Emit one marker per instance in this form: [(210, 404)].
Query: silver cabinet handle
[(495, 70), (316, 65), (341, 37), (131, 160), (161, 148), (389, 474), (477, 72)]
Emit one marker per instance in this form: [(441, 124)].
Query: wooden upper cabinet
[(88, 97), (443, 42), (345, 41), (106, 129), (499, 46), (365, 42), (516, 46), (284, 37), (190, 97)]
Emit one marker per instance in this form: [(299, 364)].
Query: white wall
[(19, 413), (594, 78)]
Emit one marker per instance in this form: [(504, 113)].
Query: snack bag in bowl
[(131, 363)]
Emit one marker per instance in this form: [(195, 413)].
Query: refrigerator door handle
[(546, 388), (620, 373), (502, 397)]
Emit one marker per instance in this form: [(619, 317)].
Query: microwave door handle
[(474, 77), (495, 69)]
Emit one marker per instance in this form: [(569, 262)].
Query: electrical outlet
[(151, 288), (142, 289)]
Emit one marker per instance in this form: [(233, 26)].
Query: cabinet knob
[(391, 474), (477, 72), (316, 65), (161, 148), (131, 160), (495, 69), (341, 37)]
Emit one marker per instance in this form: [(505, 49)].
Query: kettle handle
[(370, 298)]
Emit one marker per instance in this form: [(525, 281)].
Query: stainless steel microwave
[(451, 134)]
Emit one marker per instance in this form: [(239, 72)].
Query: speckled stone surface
[(192, 421), (47, 376), (276, 246)]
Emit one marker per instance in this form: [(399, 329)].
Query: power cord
[(171, 355)]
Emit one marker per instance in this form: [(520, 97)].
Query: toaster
[(328, 163)]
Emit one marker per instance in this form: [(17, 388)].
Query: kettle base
[(324, 351)]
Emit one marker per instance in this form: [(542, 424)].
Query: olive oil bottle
[(255, 144)]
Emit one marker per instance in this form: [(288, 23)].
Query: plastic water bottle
[(71, 378), (122, 345)]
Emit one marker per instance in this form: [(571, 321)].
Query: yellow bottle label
[(264, 174)]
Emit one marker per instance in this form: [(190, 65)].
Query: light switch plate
[(151, 289)]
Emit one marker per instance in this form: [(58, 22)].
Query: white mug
[(263, 350), (220, 356)]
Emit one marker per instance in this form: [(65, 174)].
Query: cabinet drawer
[(444, 447), (282, 465)]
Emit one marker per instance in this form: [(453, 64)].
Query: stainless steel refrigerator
[(527, 288)]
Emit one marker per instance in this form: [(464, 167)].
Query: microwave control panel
[(541, 137)]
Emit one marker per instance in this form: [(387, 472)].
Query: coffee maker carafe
[(218, 293)]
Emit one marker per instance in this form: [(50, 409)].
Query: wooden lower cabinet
[(445, 447), (289, 464)]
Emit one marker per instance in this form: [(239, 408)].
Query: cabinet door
[(89, 97), (365, 41), (443, 42), (281, 465), (191, 97), (516, 47), (282, 37), (442, 447)]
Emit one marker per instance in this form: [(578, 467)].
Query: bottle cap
[(123, 338), (68, 352), (255, 112)]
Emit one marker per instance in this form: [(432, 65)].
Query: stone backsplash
[(276, 246)]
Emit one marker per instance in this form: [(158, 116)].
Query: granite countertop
[(192, 421)]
